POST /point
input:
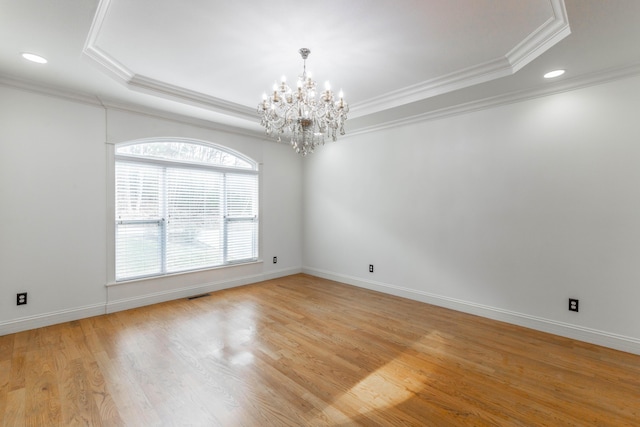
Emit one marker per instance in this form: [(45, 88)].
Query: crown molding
[(109, 104), (592, 79), (183, 119), (108, 64), (118, 71), (477, 74), (169, 91), (548, 34), (161, 89), (581, 82), (543, 38), (30, 86)]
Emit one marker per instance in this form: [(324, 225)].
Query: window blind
[(241, 217), (139, 220)]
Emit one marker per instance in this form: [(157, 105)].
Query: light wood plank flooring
[(304, 351)]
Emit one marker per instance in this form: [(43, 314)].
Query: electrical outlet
[(275, 259), (21, 298), (573, 304), (370, 268)]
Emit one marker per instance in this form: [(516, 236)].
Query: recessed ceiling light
[(552, 74), (34, 58)]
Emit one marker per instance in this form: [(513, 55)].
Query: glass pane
[(138, 191), (171, 218), (185, 152), (138, 250), (242, 239), (242, 195), (194, 225)]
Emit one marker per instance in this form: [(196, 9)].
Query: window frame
[(114, 157)]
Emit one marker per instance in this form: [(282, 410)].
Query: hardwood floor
[(301, 351)]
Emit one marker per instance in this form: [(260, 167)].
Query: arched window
[(182, 205)]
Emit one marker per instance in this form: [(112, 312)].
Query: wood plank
[(14, 414), (6, 347), (301, 350), (41, 384)]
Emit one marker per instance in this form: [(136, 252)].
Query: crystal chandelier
[(299, 115)]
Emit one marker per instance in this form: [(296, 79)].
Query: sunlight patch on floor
[(391, 384)]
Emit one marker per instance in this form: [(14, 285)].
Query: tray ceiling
[(214, 59)]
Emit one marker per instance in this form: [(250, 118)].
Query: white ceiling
[(212, 60)]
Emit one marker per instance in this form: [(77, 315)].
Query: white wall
[(56, 211), (52, 207), (505, 212)]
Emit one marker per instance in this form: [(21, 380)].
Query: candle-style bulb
[(327, 86)]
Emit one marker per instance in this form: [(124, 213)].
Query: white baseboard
[(280, 273), (580, 333), (593, 336), (52, 318), (173, 294)]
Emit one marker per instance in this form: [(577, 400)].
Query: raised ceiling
[(213, 59)]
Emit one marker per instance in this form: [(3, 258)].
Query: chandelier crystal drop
[(299, 115)]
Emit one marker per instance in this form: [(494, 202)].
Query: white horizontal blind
[(194, 219), (173, 217), (241, 217), (139, 220)]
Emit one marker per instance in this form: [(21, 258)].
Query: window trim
[(112, 157)]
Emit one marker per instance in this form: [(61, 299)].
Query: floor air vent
[(198, 296)]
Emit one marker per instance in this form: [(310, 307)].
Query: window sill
[(182, 273)]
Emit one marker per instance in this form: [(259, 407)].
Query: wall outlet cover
[(21, 298), (573, 304)]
